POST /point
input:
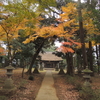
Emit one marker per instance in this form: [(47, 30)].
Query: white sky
[(57, 44), (81, 0)]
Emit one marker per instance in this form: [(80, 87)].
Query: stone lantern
[(9, 70), (87, 77), (8, 88), (9, 82)]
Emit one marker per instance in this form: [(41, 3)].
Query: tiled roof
[(48, 56)]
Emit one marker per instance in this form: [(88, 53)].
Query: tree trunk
[(97, 56), (61, 72), (23, 66), (34, 57), (79, 64), (23, 71), (91, 57), (36, 71), (70, 68), (82, 35)]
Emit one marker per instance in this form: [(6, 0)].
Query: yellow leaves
[(69, 12), (50, 31), (70, 9), (68, 23), (10, 27), (70, 16), (90, 27), (26, 41), (87, 45), (1, 29), (59, 30), (68, 19), (31, 38), (45, 32), (78, 47), (9, 35), (88, 23), (16, 36)]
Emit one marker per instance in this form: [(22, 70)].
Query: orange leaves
[(2, 51), (66, 46), (67, 43), (65, 49), (77, 43)]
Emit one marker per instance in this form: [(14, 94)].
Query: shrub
[(31, 77), (74, 81), (89, 94), (70, 80)]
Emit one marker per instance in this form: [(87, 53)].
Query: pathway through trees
[(47, 90)]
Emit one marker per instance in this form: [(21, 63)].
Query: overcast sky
[(81, 0)]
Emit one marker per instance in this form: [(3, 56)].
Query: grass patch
[(3, 98), (22, 84)]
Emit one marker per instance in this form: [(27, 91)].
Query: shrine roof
[(48, 56)]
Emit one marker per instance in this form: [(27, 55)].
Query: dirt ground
[(64, 90), (28, 89)]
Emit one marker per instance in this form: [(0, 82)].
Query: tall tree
[(82, 34)]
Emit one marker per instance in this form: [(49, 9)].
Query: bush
[(74, 81), (31, 77), (89, 94), (70, 80), (78, 86)]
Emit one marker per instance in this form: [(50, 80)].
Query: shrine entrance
[(50, 60)]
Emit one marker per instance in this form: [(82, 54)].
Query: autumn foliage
[(2, 51), (67, 46), (68, 24)]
